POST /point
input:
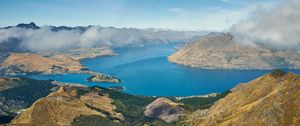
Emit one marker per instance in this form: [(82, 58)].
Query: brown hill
[(164, 109), (34, 63), (60, 108), (221, 51), (271, 100)]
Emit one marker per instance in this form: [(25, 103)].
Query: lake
[(146, 71)]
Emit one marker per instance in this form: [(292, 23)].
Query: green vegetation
[(276, 62), (22, 95), (131, 106), (193, 104), (82, 91), (278, 73), (230, 56), (103, 78), (30, 91), (93, 120), (6, 119)]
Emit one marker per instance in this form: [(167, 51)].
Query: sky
[(192, 15)]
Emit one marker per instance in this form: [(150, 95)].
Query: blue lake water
[(146, 71)]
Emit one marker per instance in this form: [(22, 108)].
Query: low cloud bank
[(279, 27), (45, 38)]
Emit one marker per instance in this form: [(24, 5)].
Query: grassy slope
[(132, 107)]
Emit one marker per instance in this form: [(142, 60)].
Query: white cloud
[(216, 19), (46, 39), (279, 26)]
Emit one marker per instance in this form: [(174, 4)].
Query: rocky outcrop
[(164, 109), (60, 108), (34, 63), (221, 51), (271, 100)]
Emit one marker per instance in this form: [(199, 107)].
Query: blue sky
[(167, 14)]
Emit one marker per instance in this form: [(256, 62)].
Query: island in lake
[(103, 78)]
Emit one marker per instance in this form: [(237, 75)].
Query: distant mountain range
[(30, 37), (32, 25)]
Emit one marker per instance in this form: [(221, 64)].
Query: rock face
[(220, 51), (34, 63), (164, 109), (60, 108), (271, 100)]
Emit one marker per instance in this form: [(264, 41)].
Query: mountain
[(30, 37), (172, 111), (31, 25), (63, 106), (271, 100), (221, 51)]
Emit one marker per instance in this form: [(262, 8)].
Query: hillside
[(63, 106), (221, 51), (34, 63), (271, 100), (57, 103)]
